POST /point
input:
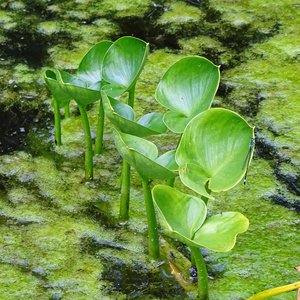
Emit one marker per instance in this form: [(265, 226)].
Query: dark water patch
[(16, 124), (25, 43), (292, 181), (148, 30), (12, 221), (91, 245), (281, 200), (137, 281), (99, 213)]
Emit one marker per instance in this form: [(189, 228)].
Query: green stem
[(153, 240), (88, 144), (100, 129), (57, 123), (201, 272), (131, 96), (125, 192), (125, 176), (170, 182), (276, 291), (67, 111)]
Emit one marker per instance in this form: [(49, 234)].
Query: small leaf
[(58, 92), (123, 63), (78, 89), (122, 116), (141, 154), (213, 150), (187, 88), (181, 214)]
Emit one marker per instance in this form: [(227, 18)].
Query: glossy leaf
[(142, 155), (78, 89), (122, 116), (186, 89), (123, 63), (213, 150), (181, 214), (90, 67), (58, 92), (184, 217)]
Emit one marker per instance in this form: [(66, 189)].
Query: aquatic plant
[(186, 89), (122, 66), (143, 156), (61, 99), (84, 88), (211, 158)]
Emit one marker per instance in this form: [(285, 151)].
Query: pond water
[(59, 236)]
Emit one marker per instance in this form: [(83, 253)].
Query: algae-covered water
[(59, 235)]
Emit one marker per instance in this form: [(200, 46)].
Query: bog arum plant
[(122, 66), (84, 88), (61, 99), (211, 158), (143, 156), (187, 89), (184, 217)]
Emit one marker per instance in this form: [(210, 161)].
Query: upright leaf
[(123, 63), (186, 89)]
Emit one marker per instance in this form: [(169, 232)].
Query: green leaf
[(141, 154), (181, 215), (168, 160), (122, 117), (175, 122), (186, 89), (213, 151), (123, 63), (184, 217), (219, 232), (58, 92), (78, 89), (90, 67)]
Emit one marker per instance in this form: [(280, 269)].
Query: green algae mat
[(60, 237)]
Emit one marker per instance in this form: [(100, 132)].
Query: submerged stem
[(153, 240), (125, 192), (88, 144), (100, 129), (57, 123), (201, 272), (276, 291)]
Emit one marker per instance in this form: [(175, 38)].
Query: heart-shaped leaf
[(123, 63), (186, 89), (58, 92), (90, 67), (143, 156), (219, 232), (184, 217), (122, 116), (214, 151), (181, 214)]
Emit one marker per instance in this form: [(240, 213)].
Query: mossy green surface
[(60, 237)]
